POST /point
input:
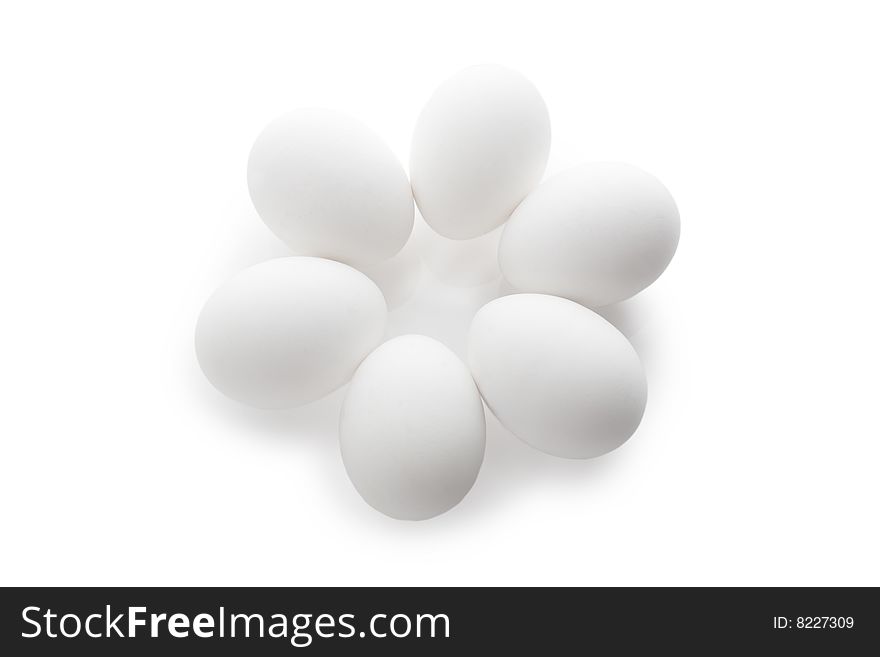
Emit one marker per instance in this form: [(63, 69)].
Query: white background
[(123, 142)]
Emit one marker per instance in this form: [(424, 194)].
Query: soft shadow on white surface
[(318, 420), (512, 468), (633, 317), (440, 311), (399, 276), (460, 263)]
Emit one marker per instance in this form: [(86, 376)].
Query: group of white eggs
[(412, 430)]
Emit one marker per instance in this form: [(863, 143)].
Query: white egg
[(288, 331), (556, 374), (480, 145), (412, 431), (597, 234), (328, 186)]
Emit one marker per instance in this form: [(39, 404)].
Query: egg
[(328, 186), (288, 331), (412, 431), (479, 146), (597, 234), (556, 374)]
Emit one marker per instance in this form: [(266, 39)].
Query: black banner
[(417, 621)]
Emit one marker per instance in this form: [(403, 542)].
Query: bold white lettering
[(24, 617)]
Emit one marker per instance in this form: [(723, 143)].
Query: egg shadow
[(513, 469), (400, 277), (634, 317), (317, 421)]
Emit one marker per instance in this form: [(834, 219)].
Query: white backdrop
[(124, 134)]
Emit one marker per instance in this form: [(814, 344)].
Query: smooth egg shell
[(329, 186), (597, 234), (556, 374), (288, 331), (479, 146), (412, 431)]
